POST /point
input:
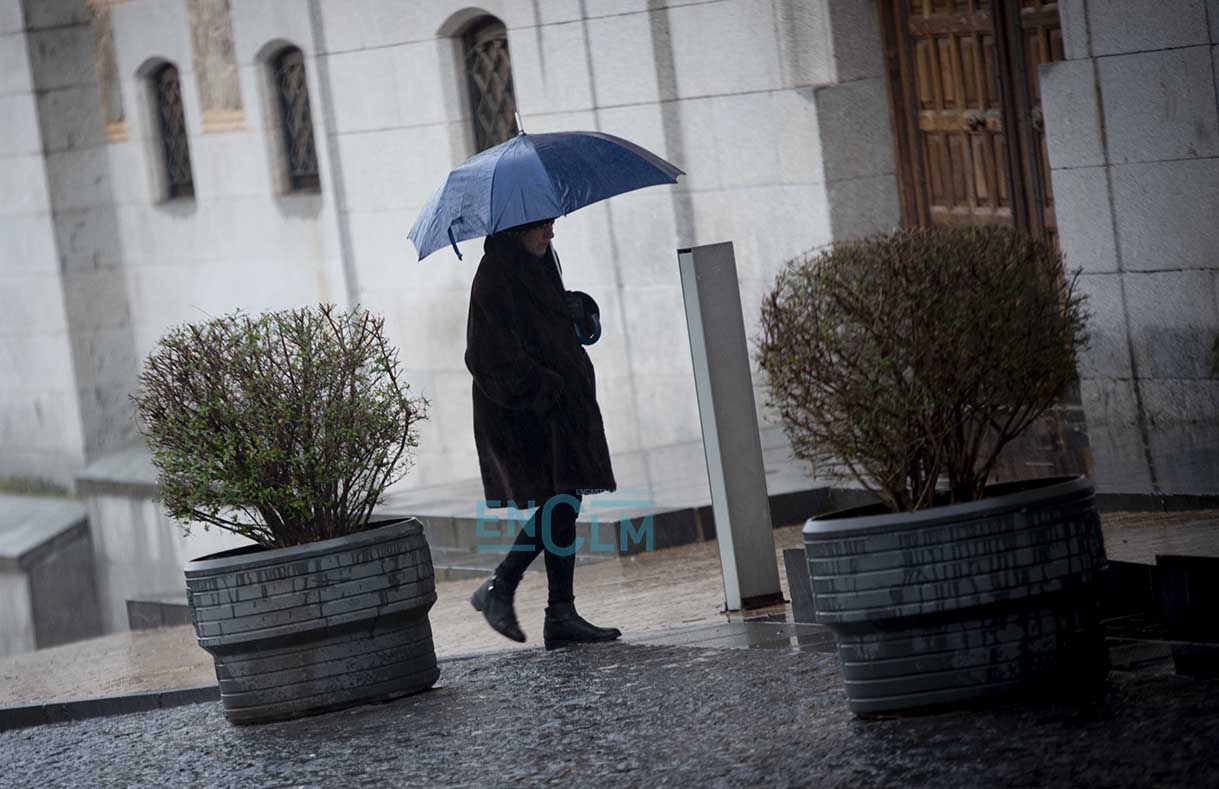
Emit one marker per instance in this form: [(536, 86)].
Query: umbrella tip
[(520, 127)]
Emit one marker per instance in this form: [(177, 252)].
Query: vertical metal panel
[(728, 414)]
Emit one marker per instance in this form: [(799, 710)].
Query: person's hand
[(575, 307)]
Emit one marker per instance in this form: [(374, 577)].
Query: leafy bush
[(285, 428), (908, 360)]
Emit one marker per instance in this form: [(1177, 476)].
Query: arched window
[(489, 69), (295, 120), (180, 182)]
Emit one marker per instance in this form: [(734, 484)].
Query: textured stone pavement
[(641, 594), (629, 715)]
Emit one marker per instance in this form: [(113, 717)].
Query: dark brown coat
[(537, 426)]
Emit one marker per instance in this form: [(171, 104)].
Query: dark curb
[(23, 717), (79, 709)]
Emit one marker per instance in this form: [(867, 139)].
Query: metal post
[(730, 429)]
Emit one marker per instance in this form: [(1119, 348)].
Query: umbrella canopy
[(533, 177)]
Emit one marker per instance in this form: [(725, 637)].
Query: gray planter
[(964, 602), (317, 627)]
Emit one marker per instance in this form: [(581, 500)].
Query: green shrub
[(285, 428), (908, 361)]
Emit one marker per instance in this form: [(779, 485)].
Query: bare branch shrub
[(285, 428), (908, 361)]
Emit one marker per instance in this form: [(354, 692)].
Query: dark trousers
[(552, 531)]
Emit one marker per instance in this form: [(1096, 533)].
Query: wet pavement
[(647, 594), (632, 714)]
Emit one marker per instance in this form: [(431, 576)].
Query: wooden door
[(966, 108)]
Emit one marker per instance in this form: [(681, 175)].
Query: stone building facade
[(148, 178)]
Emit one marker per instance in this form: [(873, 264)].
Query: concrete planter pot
[(317, 627), (965, 602)]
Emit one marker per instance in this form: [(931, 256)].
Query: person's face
[(537, 240)]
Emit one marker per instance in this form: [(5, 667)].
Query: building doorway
[(970, 147), (962, 77)]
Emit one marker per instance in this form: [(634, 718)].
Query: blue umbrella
[(533, 177)]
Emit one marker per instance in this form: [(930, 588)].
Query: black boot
[(564, 626), (494, 599)]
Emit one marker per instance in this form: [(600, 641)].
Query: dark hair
[(525, 228)]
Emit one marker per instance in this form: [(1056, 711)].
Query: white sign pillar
[(730, 429)]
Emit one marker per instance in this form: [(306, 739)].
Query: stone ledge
[(79, 709)]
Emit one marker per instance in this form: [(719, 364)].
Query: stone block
[(32, 199), (1139, 25), (623, 59), (643, 235), (858, 48), (43, 14), (746, 128), (71, 118), (768, 225), (15, 74), (31, 303), (27, 243), (428, 84), (96, 300), (16, 617), (1176, 401), (555, 12), (79, 178), (863, 206), (550, 68), (657, 320), (806, 48), (616, 399), (607, 8), (692, 142), (452, 411), (12, 20), (642, 124), (150, 29), (1166, 213), (545, 122), (1160, 105), (799, 138), (1173, 322), (89, 239), (856, 140), (704, 35), (1073, 15), (42, 420), (668, 409), (434, 329), (61, 57), (1182, 418), (1085, 226), (244, 173), (366, 90), (257, 24), (345, 23), (1114, 436), (1107, 355), (1072, 114), (41, 358), (19, 134)]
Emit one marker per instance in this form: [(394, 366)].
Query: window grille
[(178, 175), (296, 120), (489, 69)]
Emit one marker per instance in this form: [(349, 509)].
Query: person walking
[(537, 426)]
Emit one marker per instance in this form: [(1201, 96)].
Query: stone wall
[(776, 111), (1133, 135), (40, 427), (725, 90)]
